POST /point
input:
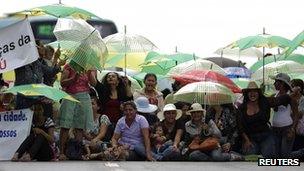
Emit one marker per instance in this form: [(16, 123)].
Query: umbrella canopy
[(87, 50), (66, 48), (41, 90), (59, 11), (242, 83), (261, 40), (250, 52), (296, 42), (128, 50), (271, 69), (238, 72), (293, 57), (201, 75), (208, 93), (161, 64), (134, 60), (198, 64), (225, 62)]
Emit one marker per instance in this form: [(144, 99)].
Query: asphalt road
[(139, 166)]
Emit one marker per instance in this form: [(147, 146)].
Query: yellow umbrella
[(41, 90), (134, 60), (127, 50)]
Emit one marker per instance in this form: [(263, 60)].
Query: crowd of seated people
[(112, 123)]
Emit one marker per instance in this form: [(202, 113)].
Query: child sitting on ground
[(158, 139)]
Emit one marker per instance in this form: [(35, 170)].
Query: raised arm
[(66, 80)]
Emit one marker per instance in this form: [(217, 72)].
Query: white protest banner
[(17, 46), (15, 126)]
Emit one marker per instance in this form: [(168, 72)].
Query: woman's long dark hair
[(121, 88), (262, 101), (246, 98)]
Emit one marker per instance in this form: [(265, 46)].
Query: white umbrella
[(198, 64), (84, 43), (208, 93), (73, 30), (271, 69)]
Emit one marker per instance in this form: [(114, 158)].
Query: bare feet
[(97, 156), (15, 157)]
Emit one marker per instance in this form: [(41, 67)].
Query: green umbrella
[(151, 55), (261, 40), (241, 82), (66, 48), (297, 41), (259, 63), (293, 57), (59, 11), (41, 90), (163, 63)]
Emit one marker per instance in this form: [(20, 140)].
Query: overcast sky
[(194, 26)]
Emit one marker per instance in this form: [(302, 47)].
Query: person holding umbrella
[(73, 114)]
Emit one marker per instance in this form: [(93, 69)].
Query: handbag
[(208, 144)]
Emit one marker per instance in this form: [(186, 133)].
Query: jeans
[(263, 143), (283, 144), (197, 155), (166, 154), (162, 148), (214, 155)]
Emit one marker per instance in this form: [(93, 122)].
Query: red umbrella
[(206, 75)]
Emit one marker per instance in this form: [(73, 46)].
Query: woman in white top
[(284, 118)]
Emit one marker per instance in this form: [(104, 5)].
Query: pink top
[(80, 85)]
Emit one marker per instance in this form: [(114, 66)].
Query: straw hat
[(252, 85), (169, 107), (196, 107), (282, 77), (143, 106)]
